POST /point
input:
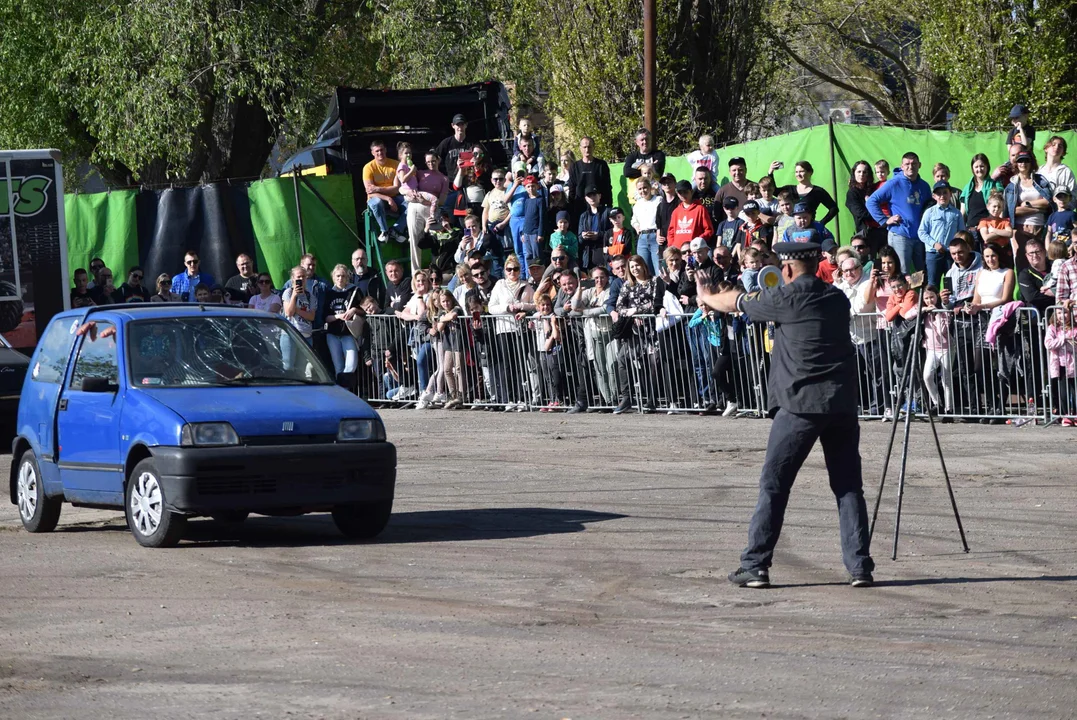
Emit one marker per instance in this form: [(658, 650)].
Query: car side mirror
[(99, 385)]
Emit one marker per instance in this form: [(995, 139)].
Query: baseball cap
[(750, 205), (616, 212), (730, 202), (667, 179), (1023, 157), (459, 119), (697, 244), (684, 187), (801, 208), (1062, 192), (828, 245), (557, 187), (1018, 110), (530, 179), (941, 185), (562, 215)]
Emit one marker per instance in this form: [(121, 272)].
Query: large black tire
[(39, 513), (10, 310), (363, 521), (144, 505)]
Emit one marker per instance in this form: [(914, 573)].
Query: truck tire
[(10, 310), (145, 507)]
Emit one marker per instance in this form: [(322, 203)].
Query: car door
[(88, 420)]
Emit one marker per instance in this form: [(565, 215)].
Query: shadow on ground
[(431, 526)]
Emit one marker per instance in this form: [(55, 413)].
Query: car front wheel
[(363, 521), (38, 512), (152, 524)]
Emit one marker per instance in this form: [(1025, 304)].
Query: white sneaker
[(440, 399), (426, 397), (405, 393), (730, 409), (400, 238), (383, 238), (672, 409)]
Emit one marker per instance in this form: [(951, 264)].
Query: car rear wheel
[(38, 512), (152, 524), (363, 521)]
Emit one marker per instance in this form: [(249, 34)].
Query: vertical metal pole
[(650, 40), (834, 181), (299, 210)]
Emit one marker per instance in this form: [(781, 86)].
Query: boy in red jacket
[(689, 219)]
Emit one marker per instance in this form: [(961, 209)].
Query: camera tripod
[(907, 387)]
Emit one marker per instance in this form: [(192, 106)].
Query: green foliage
[(997, 53), (151, 91)]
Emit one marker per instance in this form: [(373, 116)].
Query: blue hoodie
[(906, 198)]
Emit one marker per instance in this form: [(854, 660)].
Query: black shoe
[(623, 406), (710, 407), (576, 409), (861, 580), (750, 578), (946, 419)]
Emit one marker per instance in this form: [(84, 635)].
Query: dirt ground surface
[(570, 567)]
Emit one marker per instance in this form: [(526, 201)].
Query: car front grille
[(262, 440)]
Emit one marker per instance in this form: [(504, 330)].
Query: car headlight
[(212, 434), (370, 430)]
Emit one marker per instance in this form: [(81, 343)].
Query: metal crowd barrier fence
[(685, 364), (501, 362)]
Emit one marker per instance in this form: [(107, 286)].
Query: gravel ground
[(569, 567)]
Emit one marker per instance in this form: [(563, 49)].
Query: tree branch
[(881, 105)]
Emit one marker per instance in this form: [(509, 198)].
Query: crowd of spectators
[(555, 298)]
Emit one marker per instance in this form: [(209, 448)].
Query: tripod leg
[(902, 384), (949, 488), (904, 451)]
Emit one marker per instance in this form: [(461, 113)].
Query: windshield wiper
[(271, 380)]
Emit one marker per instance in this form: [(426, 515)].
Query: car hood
[(262, 411)]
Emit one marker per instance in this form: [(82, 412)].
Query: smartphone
[(467, 232), (692, 261), (948, 284), (476, 315), (780, 166)]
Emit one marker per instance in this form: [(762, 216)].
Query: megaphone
[(770, 277)]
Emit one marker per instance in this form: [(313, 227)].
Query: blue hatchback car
[(176, 411)]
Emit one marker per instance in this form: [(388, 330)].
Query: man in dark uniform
[(813, 386)]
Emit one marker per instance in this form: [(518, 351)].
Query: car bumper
[(286, 478)]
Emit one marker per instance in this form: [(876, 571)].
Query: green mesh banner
[(276, 229), (102, 225)]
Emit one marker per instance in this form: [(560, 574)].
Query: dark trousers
[(792, 437)]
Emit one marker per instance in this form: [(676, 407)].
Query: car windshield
[(219, 351)]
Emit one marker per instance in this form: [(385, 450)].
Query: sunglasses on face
[(263, 282), (136, 276), (858, 248), (478, 273), (512, 269), (190, 262)]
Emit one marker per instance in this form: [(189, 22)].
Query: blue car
[(178, 411)]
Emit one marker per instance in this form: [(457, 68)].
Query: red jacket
[(689, 222)]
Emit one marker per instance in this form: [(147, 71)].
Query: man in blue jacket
[(906, 194)]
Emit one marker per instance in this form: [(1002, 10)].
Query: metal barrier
[(702, 363)]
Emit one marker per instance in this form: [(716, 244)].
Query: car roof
[(156, 311)]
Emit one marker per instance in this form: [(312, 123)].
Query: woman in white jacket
[(512, 299)]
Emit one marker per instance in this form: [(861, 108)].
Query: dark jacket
[(636, 158), (584, 177)]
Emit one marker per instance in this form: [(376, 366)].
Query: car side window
[(55, 349), (97, 356)]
